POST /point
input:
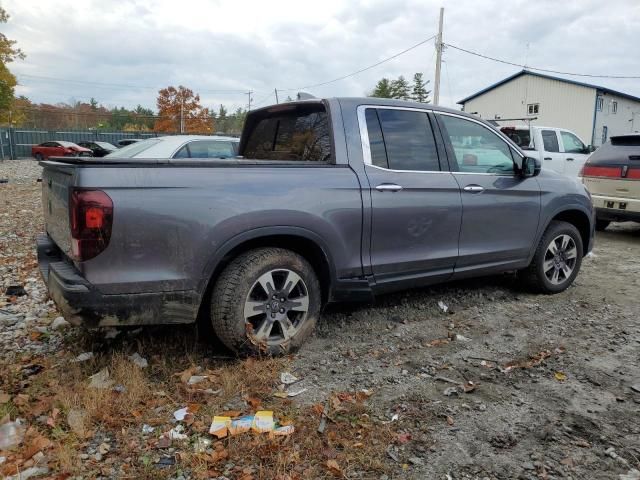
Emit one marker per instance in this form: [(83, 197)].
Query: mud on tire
[(266, 302)]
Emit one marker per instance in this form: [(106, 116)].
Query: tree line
[(401, 89)]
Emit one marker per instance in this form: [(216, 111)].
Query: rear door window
[(550, 141), (211, 149)]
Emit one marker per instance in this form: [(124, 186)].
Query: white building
[(594, 113)]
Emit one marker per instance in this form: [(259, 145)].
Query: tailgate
[(57, 178)]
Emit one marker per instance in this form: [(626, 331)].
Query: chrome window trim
[(364, 137)]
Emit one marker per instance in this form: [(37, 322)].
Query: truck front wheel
[(266, 302)]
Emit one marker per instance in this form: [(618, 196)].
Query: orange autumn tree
[(180, 107)]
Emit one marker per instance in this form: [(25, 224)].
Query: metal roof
[(549, 77)]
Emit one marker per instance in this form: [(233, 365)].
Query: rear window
[(291, 133), (626, 141), (520, 137), (134, 149)]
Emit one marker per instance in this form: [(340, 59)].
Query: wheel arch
[(300, 240), (577, 217)]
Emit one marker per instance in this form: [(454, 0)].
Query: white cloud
[(212, 45)]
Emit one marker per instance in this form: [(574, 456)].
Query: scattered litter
[(147, 428), (15, 291), (11, 434), (201, 445), (323, 418), (59, 323), (164, 442), (466, 387), (287, 378), (83, 357), (395, 417), (449, 391), (193, 379), (561, 377), (138, 360), (32, 369), (176, 433), (462, 338), (531, 362), (119, 388), (289, 393), (261, 422), (166, 462), (101, 379), (443, 306), (392, 454), (180, 414)]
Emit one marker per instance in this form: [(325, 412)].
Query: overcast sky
[(136, 47)]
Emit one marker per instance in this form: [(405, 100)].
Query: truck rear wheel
[(266, 302), (557, 260)]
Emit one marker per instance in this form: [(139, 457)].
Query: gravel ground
[(504, 384)]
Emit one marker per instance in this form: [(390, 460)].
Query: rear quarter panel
[(170, 222)]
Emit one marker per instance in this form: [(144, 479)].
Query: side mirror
[(530, 167), (591, 149)]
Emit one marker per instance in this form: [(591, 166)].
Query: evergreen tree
[(400, 89), (382, 89), (419, 92)]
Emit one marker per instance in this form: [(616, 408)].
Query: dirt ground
[(503, 385)]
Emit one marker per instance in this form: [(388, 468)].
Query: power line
[(361, 70), (528, 67), (122, 85)]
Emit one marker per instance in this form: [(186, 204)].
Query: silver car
[(180, 146)]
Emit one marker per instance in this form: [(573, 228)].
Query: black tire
[(601, 225), (534, 275), (39, 157), (238, 284)]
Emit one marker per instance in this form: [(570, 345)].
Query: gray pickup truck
[(329, 200)]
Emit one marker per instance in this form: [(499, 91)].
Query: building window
[(533, 108), (605, 132), (614, 107), (599, 103)]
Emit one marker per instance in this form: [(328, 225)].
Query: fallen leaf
[(254, 402), (450, 420), (403, 438), (561, 377), (334, 468), (4, 397), (38, 444)]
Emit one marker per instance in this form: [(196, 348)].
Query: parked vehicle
[(332, 200), (558, 149), (181, 146), (58, 149), (128, 141), (99, 149), (612, 175)]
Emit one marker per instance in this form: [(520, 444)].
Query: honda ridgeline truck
[(329, 200)]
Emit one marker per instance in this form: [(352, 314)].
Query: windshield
[(134, 149), (68, 144)]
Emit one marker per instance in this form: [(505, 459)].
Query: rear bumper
[(617, 209), (83, 304)]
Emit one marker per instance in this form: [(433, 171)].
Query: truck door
[(416, 204), (574, 153), (551, 157), (500, 208)]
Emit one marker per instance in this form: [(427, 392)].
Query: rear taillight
[(91, 218), (596, 171)]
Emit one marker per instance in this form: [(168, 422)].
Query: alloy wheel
[(560, 259)]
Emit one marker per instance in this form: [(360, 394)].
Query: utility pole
[(249, 94), (276, 90), (436, 86)]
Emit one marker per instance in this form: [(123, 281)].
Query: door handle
[(388, 187), (548, 158), (569, 159), (473, 188)]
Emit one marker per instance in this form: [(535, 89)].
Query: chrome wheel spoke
[(287, 328), (268, 283), (291, 282), (547, 265), (566, 270), (553, 248), (564, 242), (253, 308), (300, 304), (571, 253), (264, 330), (555, 276)]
